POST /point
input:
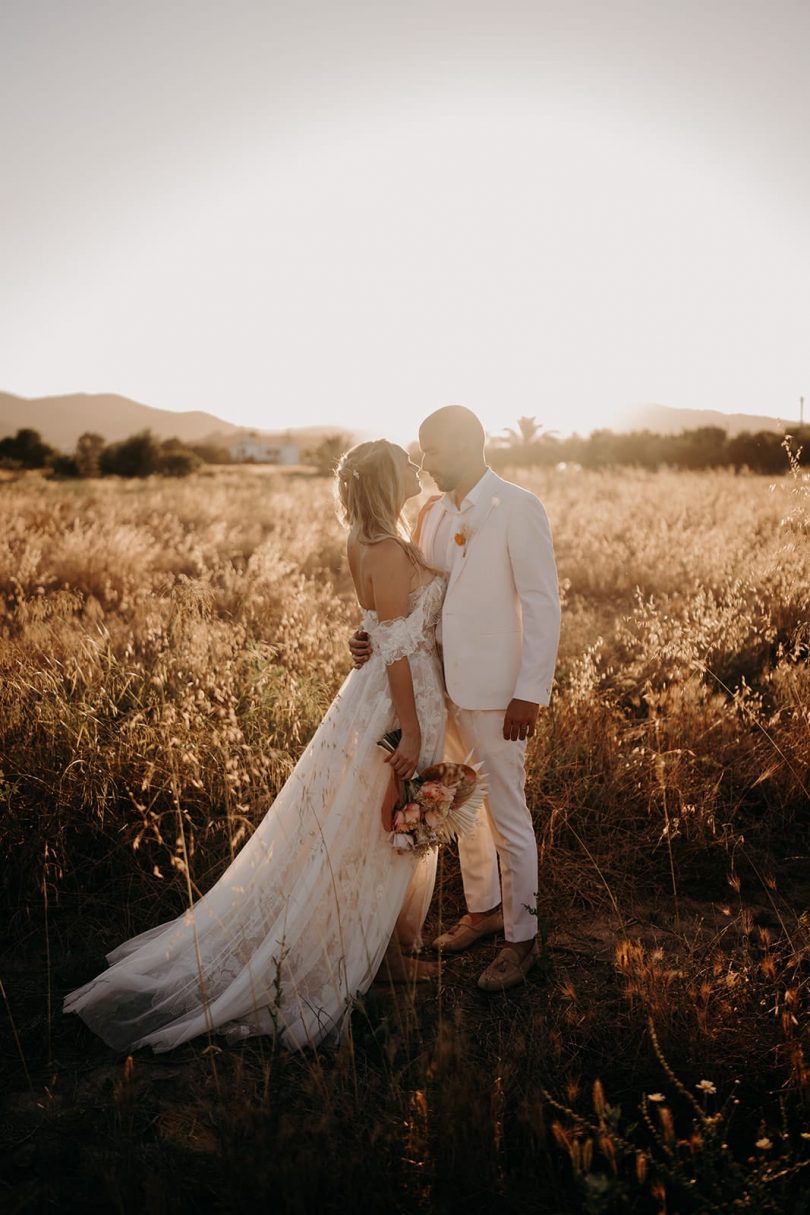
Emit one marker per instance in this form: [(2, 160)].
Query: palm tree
[(527, 433)]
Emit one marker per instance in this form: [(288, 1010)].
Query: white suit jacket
[(501, 613)]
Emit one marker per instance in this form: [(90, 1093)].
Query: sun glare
[(527, 252)]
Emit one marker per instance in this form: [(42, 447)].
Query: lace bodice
[(404, 635)]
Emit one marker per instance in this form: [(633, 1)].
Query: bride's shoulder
[(386, 556), (381, 558), (371, 550)]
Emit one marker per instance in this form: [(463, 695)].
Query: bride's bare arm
[(390, 577)]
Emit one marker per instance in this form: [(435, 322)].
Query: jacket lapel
[(477, 518)]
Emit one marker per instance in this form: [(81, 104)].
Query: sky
[(351, 212)]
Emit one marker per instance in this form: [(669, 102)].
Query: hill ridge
[(60, 419)]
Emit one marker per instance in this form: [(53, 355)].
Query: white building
[(265, 451)]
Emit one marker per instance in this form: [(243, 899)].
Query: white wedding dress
[(298, 924)]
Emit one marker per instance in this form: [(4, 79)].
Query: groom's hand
[(520, 719), (360, 647)]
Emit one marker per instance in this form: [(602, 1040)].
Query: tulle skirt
[(296, 927)]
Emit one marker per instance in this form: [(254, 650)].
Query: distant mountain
[(60, 421), (664, 420)]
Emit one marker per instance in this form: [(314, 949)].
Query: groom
[(498, 635)]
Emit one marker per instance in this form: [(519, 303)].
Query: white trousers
[(505, 832)]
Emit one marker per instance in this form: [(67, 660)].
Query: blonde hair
[(368, 484)]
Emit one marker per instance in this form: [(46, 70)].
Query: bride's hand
[(406, 757)]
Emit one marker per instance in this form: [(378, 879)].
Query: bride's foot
[(399, 968)]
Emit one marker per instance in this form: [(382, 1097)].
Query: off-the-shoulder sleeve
[(397, 638)]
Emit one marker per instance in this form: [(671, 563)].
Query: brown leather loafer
[(509, 969), (465, 933)]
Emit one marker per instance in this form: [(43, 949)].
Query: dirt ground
[(79, 1122)]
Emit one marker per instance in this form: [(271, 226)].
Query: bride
[(300, 922)]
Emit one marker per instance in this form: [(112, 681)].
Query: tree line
[(705, 447), (141, 455)]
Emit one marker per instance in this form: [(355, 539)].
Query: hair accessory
[(355, 474)]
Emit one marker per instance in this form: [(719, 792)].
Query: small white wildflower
[(804, 1134), (764, 1144), (706, 1086), (656, 1096)]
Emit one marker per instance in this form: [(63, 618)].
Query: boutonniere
[(465, 533), (462, 539)]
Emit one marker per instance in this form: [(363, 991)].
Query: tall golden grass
[(168, 648)]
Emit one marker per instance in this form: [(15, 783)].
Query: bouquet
[(439, 803)]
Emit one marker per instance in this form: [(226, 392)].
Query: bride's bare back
[(387, 565)]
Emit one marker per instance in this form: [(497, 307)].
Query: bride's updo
[(368, 483)]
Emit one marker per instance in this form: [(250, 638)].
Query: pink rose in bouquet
[(436, 796), (407, 817)]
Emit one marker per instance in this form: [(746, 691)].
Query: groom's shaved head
[(452, 442), (456, 424)]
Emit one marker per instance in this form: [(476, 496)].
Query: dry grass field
[(166, 650)]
